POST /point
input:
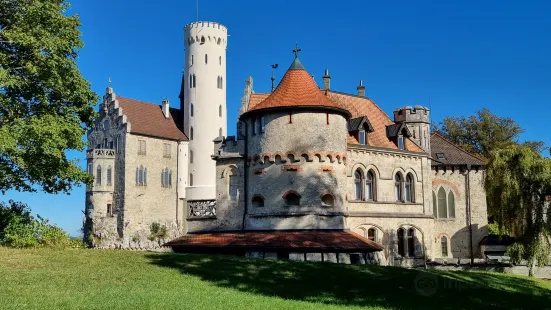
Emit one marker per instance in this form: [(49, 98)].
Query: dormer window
[(401, 144), (362, 137), (440, 156)]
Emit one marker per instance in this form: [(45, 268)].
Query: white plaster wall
[(206, 98)]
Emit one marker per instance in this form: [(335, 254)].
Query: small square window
[(440, 156)]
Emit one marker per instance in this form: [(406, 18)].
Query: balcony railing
[(100, 153), (202, 209)]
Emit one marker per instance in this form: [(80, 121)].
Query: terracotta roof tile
[(256, 99), (453, 154), (304, 240), (148, 119), (363, 106), (297, 88)]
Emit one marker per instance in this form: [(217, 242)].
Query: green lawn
[(96, 279)]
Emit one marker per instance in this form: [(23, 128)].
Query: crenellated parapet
[(206, 33), (412, 114), (297, 157)]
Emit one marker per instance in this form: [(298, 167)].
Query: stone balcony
[(100, 154)]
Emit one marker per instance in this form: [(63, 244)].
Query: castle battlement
[(200, 24), (412, 114)]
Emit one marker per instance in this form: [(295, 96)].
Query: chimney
[(361, 89), (165, 108), (326, 80)]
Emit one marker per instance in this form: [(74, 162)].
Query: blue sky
[(459, 56)]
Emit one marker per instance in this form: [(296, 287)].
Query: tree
[(45, 103), (9, 213), (517, 183), (481, 133)]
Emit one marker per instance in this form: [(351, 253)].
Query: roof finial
[(274, 66), (109, 82), (296, 50)]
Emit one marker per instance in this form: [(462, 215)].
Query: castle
[(312, 173)]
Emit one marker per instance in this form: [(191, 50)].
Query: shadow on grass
[(367, 286)]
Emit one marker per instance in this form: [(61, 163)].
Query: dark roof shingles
[(453, 154)]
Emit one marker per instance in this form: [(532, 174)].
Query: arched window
[(444, 246), (370, 186), (434, 205), (191, 179), (98, 175), (191, 109), (220, 60), (233, 186), (191, 133), (192, 60), (206, 59), (191, 156), (358, 181), (442, 204), (202, 40), (258, 201), (221, 83), (292, 198), (220, 132), (90, 169), (371, 234), (327, 200), (109, 172), (194, 80), (398, 183), (166, 178), (401, 245), (451, 205), (411, 242), (408, 186), (220, 110)]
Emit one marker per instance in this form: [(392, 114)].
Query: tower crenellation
[(417, 119)]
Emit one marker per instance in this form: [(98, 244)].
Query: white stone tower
[(204, 103)]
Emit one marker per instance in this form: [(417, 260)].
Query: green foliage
[(158, 231), (493, 229), (517, 182), (516, 252), (12, 212), (481, 133), (45, 103)]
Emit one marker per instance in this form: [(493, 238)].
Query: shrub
[(158, 231), (14, 211)]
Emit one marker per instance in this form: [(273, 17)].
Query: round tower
[(418, 121), (204, 103)]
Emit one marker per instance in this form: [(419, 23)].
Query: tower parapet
[(418, 121)]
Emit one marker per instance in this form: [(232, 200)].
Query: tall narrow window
[(371, 234), (221, 83), (191, 112), (191, 133), (290, 117), (206, 59), (411, 242), (233, 187), (262, 124), (202, 40), (255, 126), (98, 175), (109, 209), (451, 205), (90, 169), (327, 118), (191, 156), (408, 186), (220, 132), (220, 110), (191, 80), (401, 241), (194, 80), (192, 59), (434, 205), (398, 186), (401, 145), (141, 176), (109, 175), (191, 179), (442, 204), (141, 147), (369, 186), (106, 125), (358, 185), (362, 137), (220, 60), (145, 176), (167, 152), (444, 246)]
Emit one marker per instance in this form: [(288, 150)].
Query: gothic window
[(442, 204), (411, 242), (233, 187), (371, 234), (358, 180), (401, 144), (362, 137), (444, 246), (109, 175), (220, 132), (191, 156), (191, 133), (398, 184), (191, 179), (434, 205), (370, 186), (408, 186), (98, 175), (220, 110), (191, 112), (262, 124), (328, 200), (141, 175), (220, 60), (166, 178), (292, 198), (206, 59), (90, 169), (401, 241), (141, 147), (451, 205), (258, 201)]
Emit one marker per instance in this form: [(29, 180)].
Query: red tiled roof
[(303, 241), (148, 119), (296, 89), (256, 99)]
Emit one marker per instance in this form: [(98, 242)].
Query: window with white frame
[(398, 185), (370, 186), (141, 176), (408, 188), (358, 180), (362, 137), (401, 144)]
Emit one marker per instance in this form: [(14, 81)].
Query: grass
[(96, 279)]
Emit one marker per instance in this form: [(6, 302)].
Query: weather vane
[(274, 66)]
